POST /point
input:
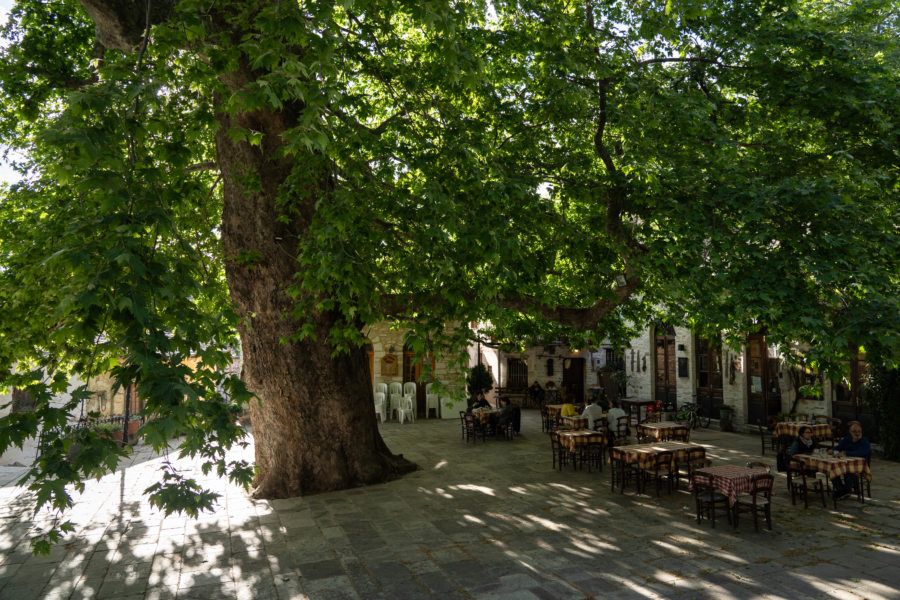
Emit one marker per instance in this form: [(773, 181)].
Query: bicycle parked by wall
[(694, 414)]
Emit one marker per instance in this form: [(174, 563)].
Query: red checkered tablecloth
[(833, 466), (731, 480), (820, 430), (661, 431), (571, 440), (643, 453)]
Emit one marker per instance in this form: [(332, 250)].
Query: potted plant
[(726, 417), (134, 423), (109, 430)]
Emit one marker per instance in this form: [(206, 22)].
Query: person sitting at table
[(568, 407), (804, 444), (536, 393), (505, 416), (593, 412), (852, 445), (612, 417), (480, 401)]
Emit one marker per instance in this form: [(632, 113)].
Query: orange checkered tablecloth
[(571, 440), (820, 430), (484, 414), (661, 431), (574, 422), (833, 467), (553, 409), (643, 453), (731, 480)]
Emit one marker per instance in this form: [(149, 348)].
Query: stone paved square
[(478, 520)]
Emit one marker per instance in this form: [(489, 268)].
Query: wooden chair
[(592, 455), (560, 454), (708, 499), (766, 437), (837, 430), (622, 430), (679, 435), (759, 499), (801, 482), (545, 419), (473, 427), (661, 466), (620, 472), (696, 459), (755, 464)]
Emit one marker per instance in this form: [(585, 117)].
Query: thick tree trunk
[(314, 427)]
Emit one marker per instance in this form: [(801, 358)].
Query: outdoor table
[(820, 430), (731, 480), (643, 453), (572, 440), (833, 467), (484, 414), (576, 422), (628, 403), (575, 442), (662, 431), (553, 409)]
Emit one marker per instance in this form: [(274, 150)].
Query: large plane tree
[(294, 172)]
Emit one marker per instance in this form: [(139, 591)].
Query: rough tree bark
[(314, 427)]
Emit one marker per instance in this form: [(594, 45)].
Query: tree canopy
[(298, 171)]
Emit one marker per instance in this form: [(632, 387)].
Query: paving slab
[(476, 520)]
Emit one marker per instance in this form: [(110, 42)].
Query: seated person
[(593, 412), (804, 444), (568, 408), (506, 414), (536, 393), (852, 445), (612, 418), (480, 401)]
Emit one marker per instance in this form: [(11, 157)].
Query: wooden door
[(708, 357), (573, 378), (664, 367), (763, 391), (412, 371), (848, 404)]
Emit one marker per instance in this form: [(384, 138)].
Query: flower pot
[(726, 418), (133, 427)]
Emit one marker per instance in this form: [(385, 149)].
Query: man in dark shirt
[(852, 445)]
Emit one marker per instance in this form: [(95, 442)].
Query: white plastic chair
[(409, 388), (396, 393), (407, 409), (428, 387), (383, 388), (380, 407), (432, 401)]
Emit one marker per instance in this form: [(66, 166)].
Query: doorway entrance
[(573, 377), (708, 357), (763, 391), (665, 388)]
